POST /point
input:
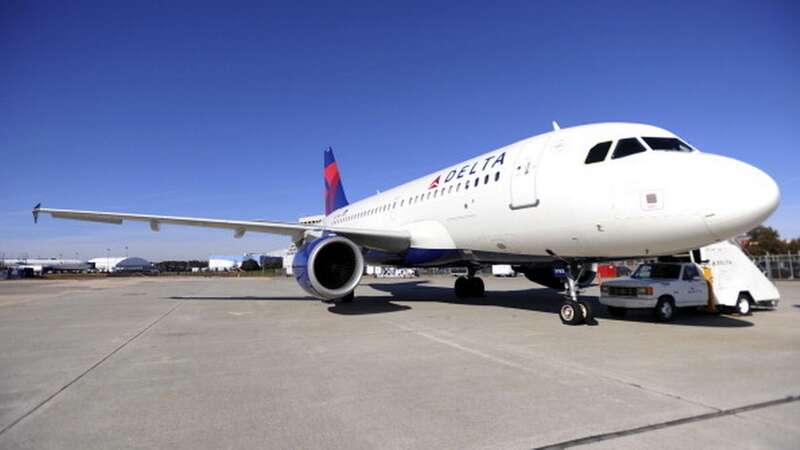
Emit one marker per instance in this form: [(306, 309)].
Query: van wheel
[(665, 309), (743, 306), (617, 311)]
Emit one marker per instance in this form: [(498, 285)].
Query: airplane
[(552, 206)]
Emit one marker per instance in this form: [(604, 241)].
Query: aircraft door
[(523, 178)]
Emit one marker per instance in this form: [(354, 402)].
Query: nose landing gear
[(574, 311)]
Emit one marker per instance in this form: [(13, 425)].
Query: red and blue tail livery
[(334, 191)]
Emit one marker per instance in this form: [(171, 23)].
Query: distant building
[(224, 263), (121, 264), (287, 257), (227, 263), (41, 265)]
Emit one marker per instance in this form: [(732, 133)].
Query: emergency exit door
[(523, 179)]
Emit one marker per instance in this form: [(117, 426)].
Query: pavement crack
[(86, 372), (670, 423)]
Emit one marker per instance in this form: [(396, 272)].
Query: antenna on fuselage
[(556, 126)]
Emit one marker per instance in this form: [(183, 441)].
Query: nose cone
[(739, 197)]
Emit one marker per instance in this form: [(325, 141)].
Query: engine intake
[(329, 267)]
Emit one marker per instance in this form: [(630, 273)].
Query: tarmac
[(210, 363)]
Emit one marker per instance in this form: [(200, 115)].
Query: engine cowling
[(329, 267)]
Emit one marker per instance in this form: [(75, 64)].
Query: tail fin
[(334, 191)]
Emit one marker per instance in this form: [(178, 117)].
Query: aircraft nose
[(741, 197)]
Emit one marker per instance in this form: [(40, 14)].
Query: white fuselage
[(537, 197)]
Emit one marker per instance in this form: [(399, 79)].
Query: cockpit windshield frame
[(667, 144)]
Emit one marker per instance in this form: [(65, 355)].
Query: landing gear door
[(523, 178)]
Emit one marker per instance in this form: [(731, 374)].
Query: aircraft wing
[(387, 240)]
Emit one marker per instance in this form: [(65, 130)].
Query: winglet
[(556, 126), (36, 212)]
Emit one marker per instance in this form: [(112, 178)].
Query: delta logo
[(467, 170)]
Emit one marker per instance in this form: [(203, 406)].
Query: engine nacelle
[(329, 267)]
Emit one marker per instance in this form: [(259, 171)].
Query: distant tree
[(199, 264), (272, 262), (763, 240), (250, 265), (793, 246)]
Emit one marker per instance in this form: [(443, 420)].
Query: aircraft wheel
[(462, 287), (586, 310), (476, 287), (617, 311), (571, 313)]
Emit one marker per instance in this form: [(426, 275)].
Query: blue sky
[(223, 109)]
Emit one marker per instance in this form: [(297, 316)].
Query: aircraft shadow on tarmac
[(542, 300), (534, 299)]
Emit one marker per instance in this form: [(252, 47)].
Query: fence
[(779, 267)]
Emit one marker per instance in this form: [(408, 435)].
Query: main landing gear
[(574, 311), (469, 286)]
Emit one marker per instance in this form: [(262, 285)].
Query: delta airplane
[(552, 205)]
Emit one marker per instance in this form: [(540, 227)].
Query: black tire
[(616, 311), (462, 287), (586, 310), (665, 309), (476, 287), (570, 313), (744, 307)]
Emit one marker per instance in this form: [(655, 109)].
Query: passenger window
[(627, 147), (497, 176), (689, 272), (486, 179), (458, 188), (476, 181), (435, 194), (598, 153), (450, 189)]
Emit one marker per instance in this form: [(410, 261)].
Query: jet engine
[(329, 267)]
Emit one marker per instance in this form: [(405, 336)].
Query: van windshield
[(657, 271)]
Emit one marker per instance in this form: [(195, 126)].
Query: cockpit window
[(598, 152), (627, 147), (667, 144)]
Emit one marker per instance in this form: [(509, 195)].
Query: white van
[(684, 280)]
